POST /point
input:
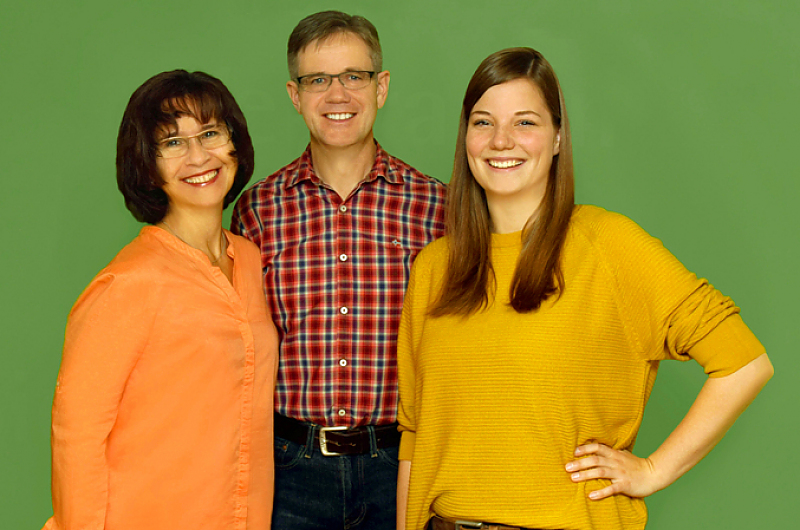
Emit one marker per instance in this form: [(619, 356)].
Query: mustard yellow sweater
[(493, 405)]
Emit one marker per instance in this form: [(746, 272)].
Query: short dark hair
[(157, 104), (325, 24)]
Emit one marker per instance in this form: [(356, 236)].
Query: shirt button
[(343, 310), (343, 208), (342, 257), (342, 412), (343, 362)]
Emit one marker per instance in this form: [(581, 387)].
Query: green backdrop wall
[(684, 118)]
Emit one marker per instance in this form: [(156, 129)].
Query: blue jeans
[(316, 492)]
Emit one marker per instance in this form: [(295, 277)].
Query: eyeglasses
[(352, 80), (178, 146)]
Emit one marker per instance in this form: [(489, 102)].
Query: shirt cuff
[(408, 440), (730, 346)]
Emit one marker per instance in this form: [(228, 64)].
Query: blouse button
[(342, 257), (343, 362), (342, 412), (343, 310), (343, 208)]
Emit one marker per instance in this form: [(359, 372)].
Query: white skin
[(196, 185), (505, 130), (340, 120), (511, 141)]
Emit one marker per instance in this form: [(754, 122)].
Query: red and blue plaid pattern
[(335, 274)]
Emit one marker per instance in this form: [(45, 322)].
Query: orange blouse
[(162, 417)]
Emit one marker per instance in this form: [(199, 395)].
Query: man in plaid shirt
[(338, 229)]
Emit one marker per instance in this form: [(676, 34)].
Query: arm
[(403, 473), (407, 342), (106, 331), (718, 405)]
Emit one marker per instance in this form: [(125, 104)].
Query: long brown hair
[(538, 274)]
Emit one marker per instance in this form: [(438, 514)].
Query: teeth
[(339, 116), (202, 178), (504, 164)]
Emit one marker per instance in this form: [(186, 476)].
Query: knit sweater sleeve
[(406, 369), (667, 311), (420, 294)]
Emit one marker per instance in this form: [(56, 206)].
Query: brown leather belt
[(438, 523), (336, 441)]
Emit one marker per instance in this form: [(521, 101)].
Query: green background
[(684, 117)]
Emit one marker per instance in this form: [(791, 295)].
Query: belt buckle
[(323, 441), (463, 525)]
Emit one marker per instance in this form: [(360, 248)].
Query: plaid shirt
[(335, 274)]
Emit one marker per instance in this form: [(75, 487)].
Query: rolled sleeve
[(727, 348)]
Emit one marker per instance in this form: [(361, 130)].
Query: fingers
[(601, 462), (618, 482), (593, 448), (603, 493), (593, 468), (591, 474), (584, 463), (600, 455)]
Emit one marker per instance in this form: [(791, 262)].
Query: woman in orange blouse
[(162, 417)]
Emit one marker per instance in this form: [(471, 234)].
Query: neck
[(203, 232), (509, 215), (342, 168)]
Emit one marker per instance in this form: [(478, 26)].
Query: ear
[(383, 87), (294, 94), (557, 143)]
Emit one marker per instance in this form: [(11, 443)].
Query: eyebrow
[(205, 127), (518, 113), (348, 69)]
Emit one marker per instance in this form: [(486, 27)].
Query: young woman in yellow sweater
[(532, 333)]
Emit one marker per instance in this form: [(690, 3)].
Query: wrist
[(661, 475)]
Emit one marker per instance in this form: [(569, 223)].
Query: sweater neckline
[(510, 240)]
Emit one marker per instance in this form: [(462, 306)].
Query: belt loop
[(373, 442), (310, 441)]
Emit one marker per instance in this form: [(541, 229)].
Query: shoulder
[(153, 258), (139, 258), (625, 247), (594, 219), (248, 266), (130, 277), (427, 272), (244, 248), (275, 183), (414, 177), (598, 226), (435, 252), (265, 197)]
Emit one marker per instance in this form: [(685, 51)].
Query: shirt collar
[(175, 243), (382, 167)]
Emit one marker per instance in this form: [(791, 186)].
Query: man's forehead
[(340, 48), (341, 38)]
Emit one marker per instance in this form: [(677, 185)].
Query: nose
[(197, 154), (502, 139), (336, 92)]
